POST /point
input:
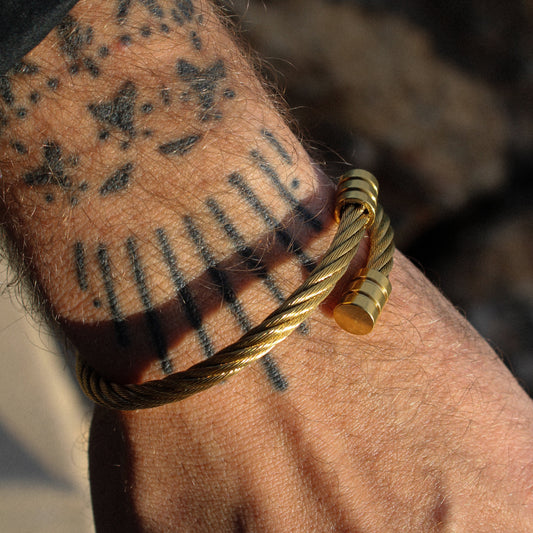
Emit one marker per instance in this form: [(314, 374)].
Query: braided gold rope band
[(356, 213)]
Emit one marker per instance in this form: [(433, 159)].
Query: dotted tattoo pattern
[(218, 271), (121, 117), (124, 116)]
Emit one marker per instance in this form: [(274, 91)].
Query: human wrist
[(98, 199)]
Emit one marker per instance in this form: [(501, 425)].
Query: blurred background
[(435, 98)]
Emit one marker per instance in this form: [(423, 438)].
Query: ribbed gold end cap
[(358, 187), (363, 302)]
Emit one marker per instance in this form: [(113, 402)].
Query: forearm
[(163, 207), (140, 154)]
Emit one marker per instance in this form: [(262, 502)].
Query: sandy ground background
[(44, 425)]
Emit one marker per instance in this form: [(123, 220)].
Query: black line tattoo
[(221, 281), (204, 83), (119, 112), (191, 309), (165, 97), (254, 263), (81, 265), (269, 171), (121, 329), (284, 237), (147, 108), (180, 146), (196, 41), (119, 181), (152, 320), (280, 149)]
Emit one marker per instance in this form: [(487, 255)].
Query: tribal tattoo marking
[(253, 262), (117, 114), (75, 39), (184, 294), (215, 272), (152, 318), (204, 84), (223, 284), (181, 13), (11, 106), (119, 321), (288, 241), (269, 171), (54, 176)]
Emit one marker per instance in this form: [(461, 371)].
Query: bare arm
[(163, 207)]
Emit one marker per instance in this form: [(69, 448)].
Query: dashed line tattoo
[(26, 68), (196, 41), (282, 235), (254, 263), (184, 294), (81, 266), (223, 284), (269, 171), (278, 147), (165, 97), (152, 319), (4, 121), (119, 323)]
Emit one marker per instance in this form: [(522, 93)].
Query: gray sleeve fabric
[(24, 24)]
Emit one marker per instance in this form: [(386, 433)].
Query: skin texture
[(163, 207)]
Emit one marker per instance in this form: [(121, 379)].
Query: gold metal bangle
[(357, 212)]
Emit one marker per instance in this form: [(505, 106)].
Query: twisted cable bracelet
[(357, 211)]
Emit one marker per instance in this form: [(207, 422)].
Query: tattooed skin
[(117, 113), (118, 181), (223, 284), (204, 83), (74, 41), (134, 150)]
